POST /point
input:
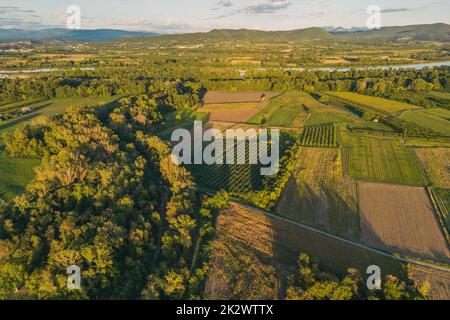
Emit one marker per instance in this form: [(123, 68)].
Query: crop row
[(323, 136)]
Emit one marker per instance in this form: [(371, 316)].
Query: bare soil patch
[(401, 219)]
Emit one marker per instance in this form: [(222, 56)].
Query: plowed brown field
[(401, 219)]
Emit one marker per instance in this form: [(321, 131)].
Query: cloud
[(267, 6), (12, 10), (389, 10), (162, 26), (224, 3), (17, 17)]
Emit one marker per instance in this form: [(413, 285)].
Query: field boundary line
[(349, 242)]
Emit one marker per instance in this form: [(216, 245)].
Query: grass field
[(401, 219), (281, 111), (15, 175), (296, 109), (382, 160), (369, 125), (252, 255), (428, 143), (374, 103), (436, 162), (183, 119), (436, 119), (441, 198), (438, 94), (51, 107), (318, 194), (324, 118)]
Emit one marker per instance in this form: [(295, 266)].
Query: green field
[(382, 160), (281, 111), (293, 108), (15, 175), (374, 103), (324, 118), (441, 199), (436, 119), (438, 95), (239, 178), (182, 119), (322, 136), (48, 108), (369, 125)]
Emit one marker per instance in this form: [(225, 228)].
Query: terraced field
[(320, 195), (436, 162), (382, 160), (374, 103)]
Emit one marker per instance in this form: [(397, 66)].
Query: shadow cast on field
[(372, 238), (327, 211)]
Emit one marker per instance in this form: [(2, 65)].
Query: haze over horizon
[(176, 16)]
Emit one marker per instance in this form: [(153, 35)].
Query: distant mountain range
[(60, 34), (431, 32), (427, 32)]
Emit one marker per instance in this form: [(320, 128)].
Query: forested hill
[(431, 32), (61, 34), (427, 32)]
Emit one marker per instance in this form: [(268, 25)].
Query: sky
[(181, 16)]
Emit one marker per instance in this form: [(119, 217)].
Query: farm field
[(238, 178), (48, 108), (233, 112), (438, 94), (296, 109), (369, 125), (428, 143), (247, 241), (318, 194), (183, 119), (15, 175), (436, 162), (441, 199), (223, 97), (374, 103), (281, 111), (382, 160), (401, 219), (436, 119), (321, 136), (324, 118)]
